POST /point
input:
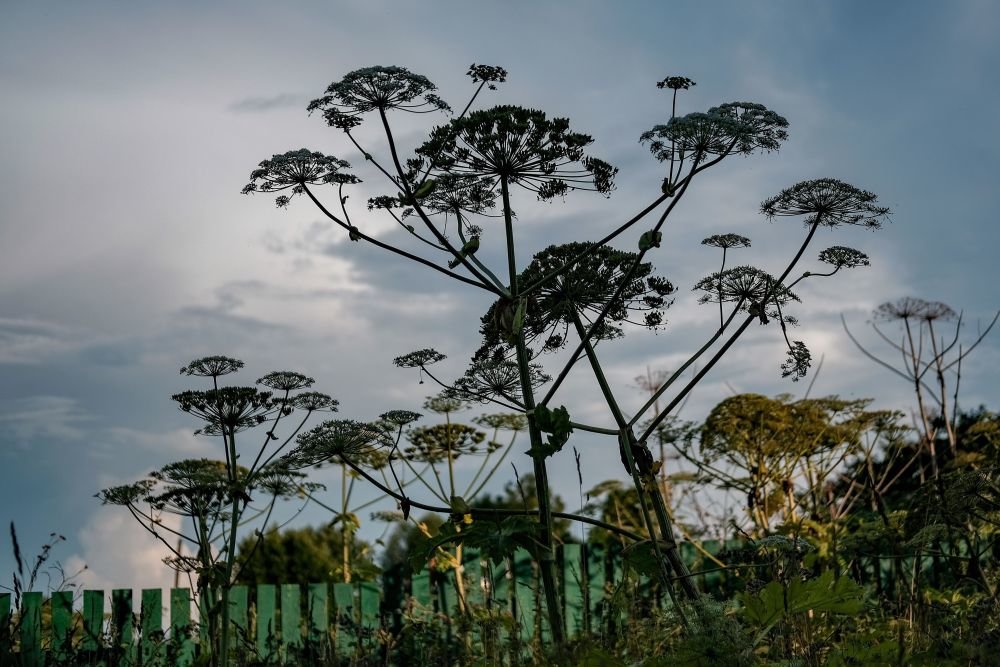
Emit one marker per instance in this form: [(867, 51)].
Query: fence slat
[(474, 578), (238, 612), (121, 626), (347, 624), (62, 625), (524, 593), (420, 589), (291, 619), (93, 620), (574, 582), (266, 632), (31, 630), (6, 645), (180, 627), (370, 597), (319, 621), (151, 624), (595, 586)]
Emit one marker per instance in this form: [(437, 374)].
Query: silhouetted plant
[(470, 169), (215, 495)]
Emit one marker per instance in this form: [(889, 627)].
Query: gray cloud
[(269, 103)]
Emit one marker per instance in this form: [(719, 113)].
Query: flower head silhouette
[(286, 381), (745, 285), (520, 146), (727, 241), (231, 409), (212, 366), (916, 309), (376, 88), (827, 202), (842, 257), (296, 169), (332, 440), (583, 291)]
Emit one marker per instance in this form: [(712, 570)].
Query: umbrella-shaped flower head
[(227, 410), (376, 88), (583, 290), (745, 285), (294, 170), (827, 202), (333, 440), (192, 487), (419, 358), (842, 257), (726, 241), (755, 127), (488, 74), (735, 127), (432, 444), (676, 83), (212, 366), (911, 308), (520, 146), (490, 378), (314, 401), (400, 417), (286, 381), (460, 194)]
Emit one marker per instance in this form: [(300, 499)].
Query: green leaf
[(471, 246), (641, 558), (519, 316), (557, 424), (459, 506), (777, 602), (425, 189), (650, 239)]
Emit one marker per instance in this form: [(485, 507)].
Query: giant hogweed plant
[(470, 172), (216, 498)]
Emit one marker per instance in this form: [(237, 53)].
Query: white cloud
[(31, 341), (42, 417), (119, 553)]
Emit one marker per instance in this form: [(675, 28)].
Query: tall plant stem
[(546, 552), (345, 529), (230, 437), (626, 440)]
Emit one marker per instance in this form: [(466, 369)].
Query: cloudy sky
[(128, 130)]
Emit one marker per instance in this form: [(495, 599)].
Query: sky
[(129, 129)]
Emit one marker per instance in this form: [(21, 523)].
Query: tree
[(473, 168), (302, 556)]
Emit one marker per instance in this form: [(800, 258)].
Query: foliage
[(303, 556)]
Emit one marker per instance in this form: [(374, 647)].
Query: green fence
[(280, 624), (277, 624)]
